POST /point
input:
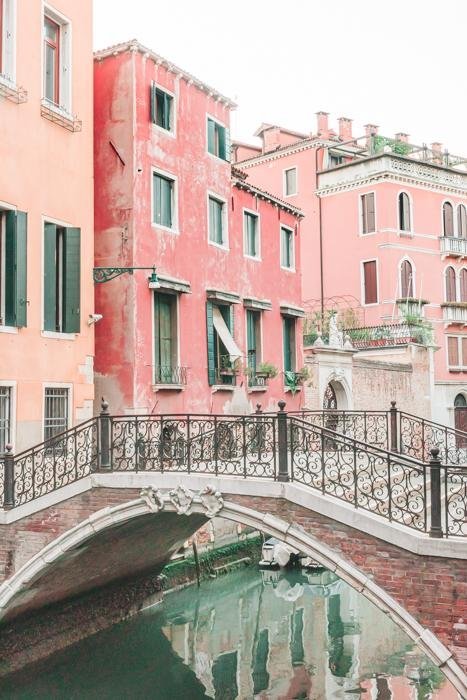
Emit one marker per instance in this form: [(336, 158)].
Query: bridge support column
[(104, 462), (9, 478), (436, 529), (282, 446)]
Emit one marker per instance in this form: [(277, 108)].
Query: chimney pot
[(345, 128), (401, 136), (323, 124)]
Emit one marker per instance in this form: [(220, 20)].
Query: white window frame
[(12, 385), (414, 276), (169, 176), (360, 214), (58, 385), (284, 181), (177, 295), (217, 121), (173, 131), (457, 282), (289, 228), (260, 312), (257, 257), (225, 219), (461, 367), (65, 61), (454, 217), (362, 282), (8, 57), (401, 231)]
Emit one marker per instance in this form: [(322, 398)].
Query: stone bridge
[(366, 514)]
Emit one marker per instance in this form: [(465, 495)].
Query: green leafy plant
[(399, 147), (267, 369)]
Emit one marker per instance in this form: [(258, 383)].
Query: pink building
[(226, 296), (385, 225), (46, 219)]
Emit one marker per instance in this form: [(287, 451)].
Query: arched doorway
[(330, 398), (460, 418)]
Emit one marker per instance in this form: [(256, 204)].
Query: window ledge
[(8, 329), (257, 389), (11, 91), (168, 387), (288, 389), (59, 116), (222, 387), (55, 335), (219, 246), (167, 229)]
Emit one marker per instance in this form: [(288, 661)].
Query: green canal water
[(246, 635)]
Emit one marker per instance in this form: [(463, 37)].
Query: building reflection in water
[(295, 636)]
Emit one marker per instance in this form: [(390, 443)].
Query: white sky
[(400, 64)]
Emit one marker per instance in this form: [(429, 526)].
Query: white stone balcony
[(454, 247), (455, 313)]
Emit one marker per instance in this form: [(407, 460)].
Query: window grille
[(56, 412)]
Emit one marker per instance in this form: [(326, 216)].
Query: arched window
[(460, 401), (448, 219), (404, 212), (450, 284), (461, 221), (463, 284), (407, 290)]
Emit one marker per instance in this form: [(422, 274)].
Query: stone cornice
[(283, 151)]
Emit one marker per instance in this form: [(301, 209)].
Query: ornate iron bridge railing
[(338, 454)]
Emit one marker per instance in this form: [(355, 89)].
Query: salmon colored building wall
[(47, 173), (127, 147)]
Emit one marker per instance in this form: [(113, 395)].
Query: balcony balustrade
[(453, 246), (455, 312), (166, 374)]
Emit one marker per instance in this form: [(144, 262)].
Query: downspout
[(321, 272)]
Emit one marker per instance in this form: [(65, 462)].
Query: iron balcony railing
[(226, 370), (412, 489), (168, 374), (385, 335)]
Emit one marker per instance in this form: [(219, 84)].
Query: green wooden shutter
[(211, 137), (287, 344), (226, 155), (251, 339), (15, 268), (157, 195), (152, 102), (210, 341), (50, 297), (71, 281), (165, 333), (166, 202)]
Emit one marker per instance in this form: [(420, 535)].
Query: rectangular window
[(253, 340), (7, 40), (288, 334), (56, 60), (457, 351), (13, 260), (162, 108), (55, 411), (5, 417), (51, 60), (223, 351), (250, 228), (166, 366), (218, 140), (370, 283), (62, 278), (368, 212), (216, 221), (163, 201), (287, 248), (290, 181)]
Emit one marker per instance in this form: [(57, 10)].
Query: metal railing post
[(394, 431), (8, 477), (282, 446), (103, 456), (435, 492)]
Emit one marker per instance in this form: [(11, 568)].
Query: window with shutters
[(404, 212), (251, 234), (5, 417), (287, 248), (288, 338), (164, 201), (290, 182), (13, 268), (407, 281), (56, 60), (463, 284), (56, 411), (218, 139), (223, 352), (368, 216), (370, 282), (7, 41), (253, 341), (448, 219), (166, 365), (461, 221), (162, 108), (62, 278), (451, 291), (457, 352), (217, 224)]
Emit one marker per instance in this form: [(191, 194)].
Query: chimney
[(400, 136), (322, 124), (370, 130), (436, 148), (271, 139), (345, 129)]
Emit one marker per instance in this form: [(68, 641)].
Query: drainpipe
[(320, 239)]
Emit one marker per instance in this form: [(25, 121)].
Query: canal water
[(249, 634)]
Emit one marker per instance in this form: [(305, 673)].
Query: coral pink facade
[(330, 185), (47, 179), (131, 153)]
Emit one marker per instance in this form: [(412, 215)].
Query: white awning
[(225, 335)]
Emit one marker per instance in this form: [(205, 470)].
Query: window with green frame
[(165, 338), (161, 108), (250, 225), (13, 268), (216, 221), (218, 140), (62, 278), (163, 200), (253, 339), (288, 335), (287, 249)]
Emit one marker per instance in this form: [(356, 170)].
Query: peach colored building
[(46, 219), (228, 289), (386, 226)]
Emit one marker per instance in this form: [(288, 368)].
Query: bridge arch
[(196, 509)]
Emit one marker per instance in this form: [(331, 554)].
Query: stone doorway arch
[(335, 396)]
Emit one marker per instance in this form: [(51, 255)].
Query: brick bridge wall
[(432, 589)]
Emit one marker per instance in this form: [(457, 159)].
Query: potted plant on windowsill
[(293, 380), (266, 370)]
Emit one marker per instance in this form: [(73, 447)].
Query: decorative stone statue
[(335, 336)]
